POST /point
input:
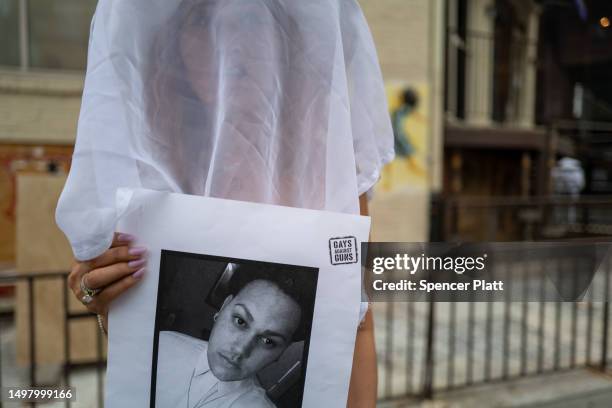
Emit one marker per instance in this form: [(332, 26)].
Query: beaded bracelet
[(101, 325)]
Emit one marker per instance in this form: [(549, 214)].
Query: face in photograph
[(252, 330)]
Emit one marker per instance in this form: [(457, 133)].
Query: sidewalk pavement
[(571, 389)]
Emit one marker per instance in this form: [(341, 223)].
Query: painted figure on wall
[(409, 102), (408, 116)]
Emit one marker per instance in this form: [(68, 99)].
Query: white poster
[(242, 305)]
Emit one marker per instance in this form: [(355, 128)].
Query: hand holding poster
[(243, 305)]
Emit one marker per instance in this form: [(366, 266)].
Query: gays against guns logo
[(343, 250)]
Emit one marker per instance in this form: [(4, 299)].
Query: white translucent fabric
[(271, 101)]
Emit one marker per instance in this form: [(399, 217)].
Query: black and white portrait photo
[(230, 332)]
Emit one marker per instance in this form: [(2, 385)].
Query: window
[(9, 32), (57, 33)]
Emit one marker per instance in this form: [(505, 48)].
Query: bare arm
[(364, 379)]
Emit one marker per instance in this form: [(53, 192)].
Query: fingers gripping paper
[(243, 305), (270, 101)]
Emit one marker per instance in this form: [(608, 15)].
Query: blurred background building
[(43, 51), (486, 98)]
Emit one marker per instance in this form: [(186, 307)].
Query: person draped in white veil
[(270, 101)]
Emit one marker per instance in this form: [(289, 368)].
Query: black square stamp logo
[(343, 250)]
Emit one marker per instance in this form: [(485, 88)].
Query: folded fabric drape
[(271, 101)]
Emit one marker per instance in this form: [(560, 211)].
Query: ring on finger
[(87, 290), (86, 299)]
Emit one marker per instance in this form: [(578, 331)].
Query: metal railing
[(68, 367), (522, 218), (429, 347)]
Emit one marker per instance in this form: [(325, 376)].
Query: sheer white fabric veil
[(271, 101)]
